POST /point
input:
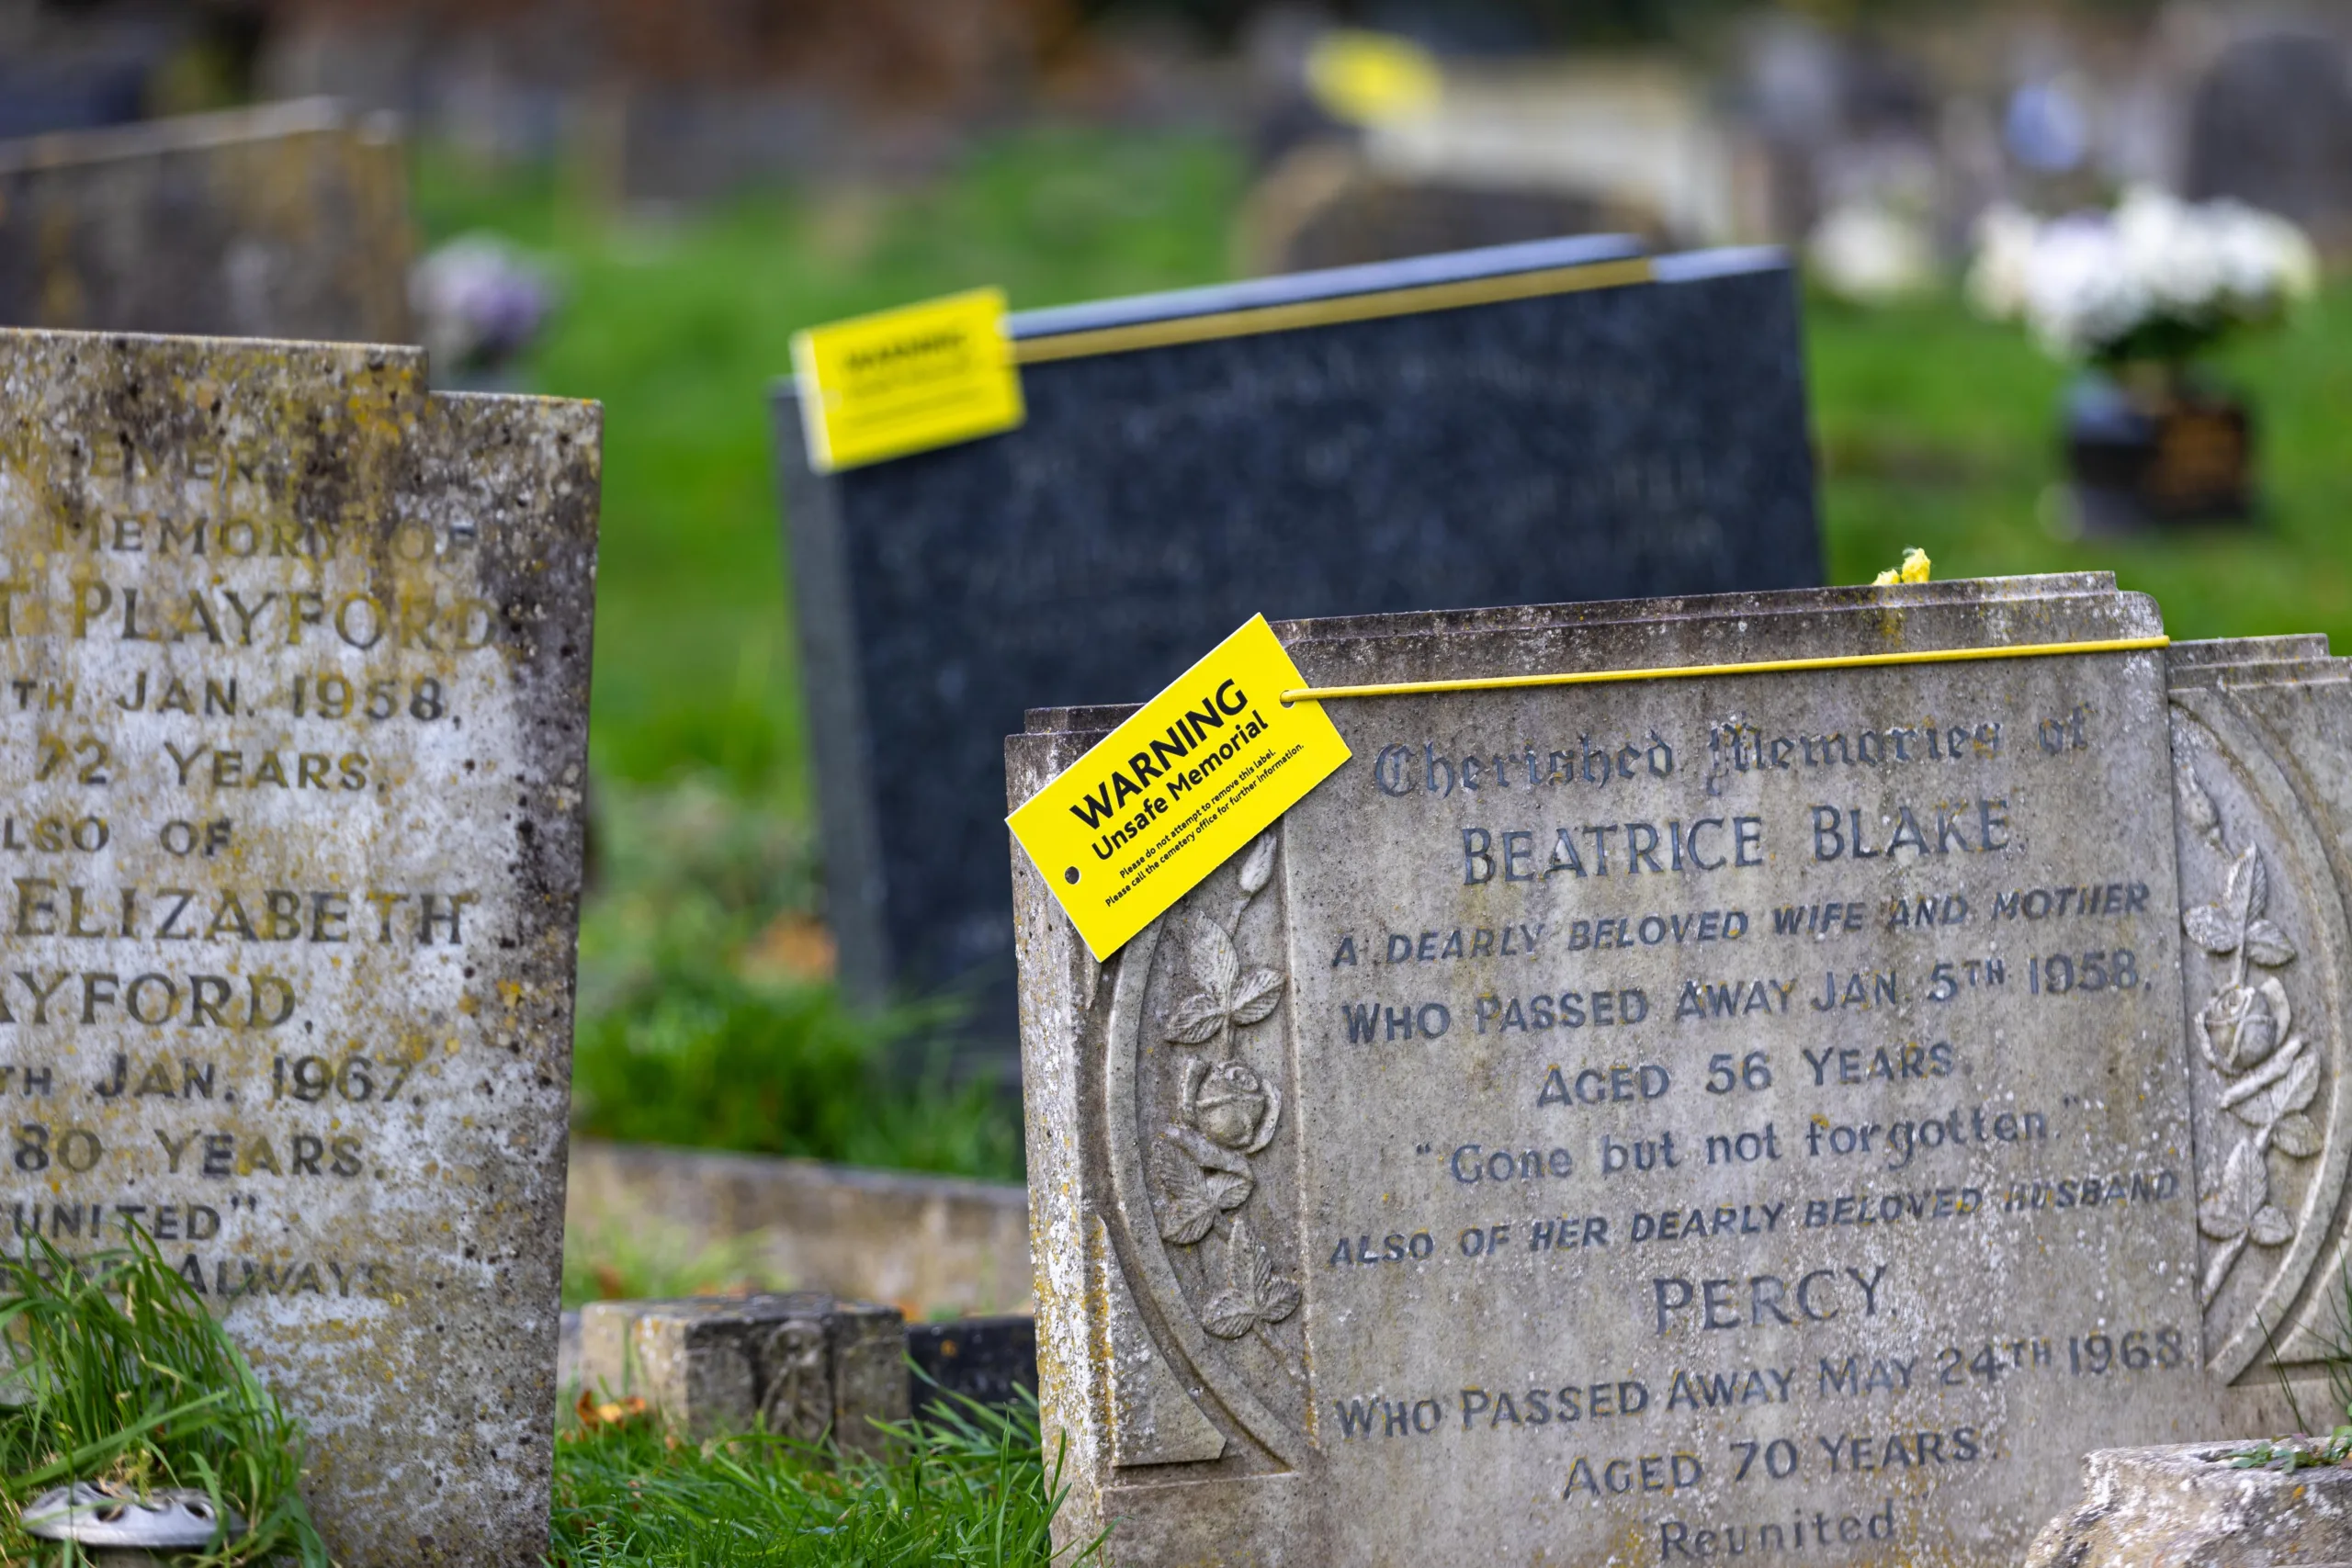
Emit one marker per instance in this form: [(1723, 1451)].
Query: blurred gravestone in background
[(70, 83), (289, 220), (671, 101), (1483, 152), (1184, 468), (1323, 206), (2271, 125)]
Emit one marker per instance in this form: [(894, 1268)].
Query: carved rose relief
[(2241, 1024), (1227, 1113), (1230, 1105), (2245, 1033)]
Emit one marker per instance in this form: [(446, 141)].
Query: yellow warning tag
[(1179, 789), (906, 380)]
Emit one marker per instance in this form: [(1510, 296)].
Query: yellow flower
[(1913, 570)]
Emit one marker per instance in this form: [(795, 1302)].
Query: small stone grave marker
[(1789, 1116), (801, 1365), (1484, 428), (289, 220), (296, 712)]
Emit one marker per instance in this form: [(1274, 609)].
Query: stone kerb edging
[(931, 1246)]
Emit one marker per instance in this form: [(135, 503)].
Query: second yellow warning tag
[(906, 380), (1179, 789)]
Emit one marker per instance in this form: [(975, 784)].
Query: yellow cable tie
[(1413, 300), (1761, 667)]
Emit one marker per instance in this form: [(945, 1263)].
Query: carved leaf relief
[(1226, 996), (2286, 1084), (1197, 1019), (1192, 1195), (2238, 922), (1215, 961), (2240, 1207), (2296, 1134), (1255, 1296), (2209, 927), (1259, 992), (1227, 1111)]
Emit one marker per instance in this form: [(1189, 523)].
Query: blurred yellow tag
[(1179, 789), (1368, 78), (906, 380)]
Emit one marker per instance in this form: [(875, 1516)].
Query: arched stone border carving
[(1140, 1245), (2286, 842)]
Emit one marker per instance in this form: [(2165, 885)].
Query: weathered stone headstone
[(1336, 443), (287, 221), (1781, 1115), (297, 691)]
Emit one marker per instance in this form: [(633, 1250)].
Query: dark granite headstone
[(1580, 443), (989, 1361), (289, 220)]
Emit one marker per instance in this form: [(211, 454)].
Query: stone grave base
[(2184, 1505)]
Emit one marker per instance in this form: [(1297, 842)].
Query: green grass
[(117, 1375), (684, 1039), (971, 1490), (1940, 430)]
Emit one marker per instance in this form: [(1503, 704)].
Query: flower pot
[(2154, 448), (2185, 1505)]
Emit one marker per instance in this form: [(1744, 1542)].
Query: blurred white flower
[(1996, 279), (479, 301), (2081, 290), (1864, 253), (2157, 278), (2265, 259), (2169, 247)]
